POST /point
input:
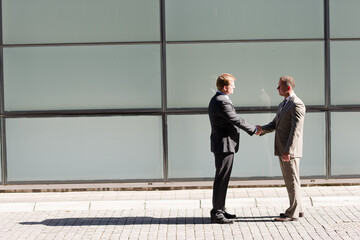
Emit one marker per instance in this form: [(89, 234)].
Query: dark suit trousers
[(223, 164)]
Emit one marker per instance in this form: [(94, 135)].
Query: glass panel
[(344, 19), (193, 69), (313, 162), (84, 148), (345, 71), (344, 143), (246, 19), (1, 160), (82, 77), (67, 21), (255, 151), (189, 145)]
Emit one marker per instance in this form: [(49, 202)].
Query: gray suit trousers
[(290, 171)]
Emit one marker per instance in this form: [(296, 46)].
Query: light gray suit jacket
[(288, 124)]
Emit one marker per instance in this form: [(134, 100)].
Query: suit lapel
[(281, 113)]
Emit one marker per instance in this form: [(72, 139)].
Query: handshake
[(259, 130)]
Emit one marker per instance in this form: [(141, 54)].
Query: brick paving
[(335, 216), (252, 223)]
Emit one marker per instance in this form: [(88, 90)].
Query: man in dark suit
[(225, 125), (288, 124)]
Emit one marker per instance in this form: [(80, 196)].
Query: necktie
[(283, 104)]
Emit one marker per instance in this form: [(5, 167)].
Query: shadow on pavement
[(256, 219), (135, 221), (119, 221)]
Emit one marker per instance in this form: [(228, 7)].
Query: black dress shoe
[(286, 219), (222, 221), (282, 215), (219, 217), (229, 216)]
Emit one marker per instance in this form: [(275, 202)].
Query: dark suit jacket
[(288, 123), (225, 125)]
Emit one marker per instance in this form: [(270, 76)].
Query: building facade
[(117, 90)]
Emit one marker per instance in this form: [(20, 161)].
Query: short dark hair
[(224, 80)]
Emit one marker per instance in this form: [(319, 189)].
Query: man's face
[(283, 89), (230, 88)]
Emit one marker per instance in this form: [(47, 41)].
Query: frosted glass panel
[(245, 19), (344, 144), (256, 155), (190, 156), (313, 162), (345, 72), (84, 148), (1, 162), (54, 21), (344, 18), (82, 77), (192, 70), (189, 147)]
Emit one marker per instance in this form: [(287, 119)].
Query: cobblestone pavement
[(320, 222)]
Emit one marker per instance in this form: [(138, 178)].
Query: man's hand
[(286, 157), (258, 130)]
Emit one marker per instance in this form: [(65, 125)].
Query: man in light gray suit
[(288, 124)]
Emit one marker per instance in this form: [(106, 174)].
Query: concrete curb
[(152, 186), (66, 206), (172, 204), (17, 207), (336, 201)]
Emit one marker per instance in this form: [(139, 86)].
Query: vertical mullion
[(2, 120), (3, 152), (327, 87), (163, 89)]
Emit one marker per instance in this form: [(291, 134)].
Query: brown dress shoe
[(282, 215), (286, 219)]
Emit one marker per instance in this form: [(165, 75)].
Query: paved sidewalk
[(170, 199), (330, 213)]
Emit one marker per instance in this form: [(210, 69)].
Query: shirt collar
[(290, 96), (223, 94)]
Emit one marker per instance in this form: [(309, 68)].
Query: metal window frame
[(2, 118), (164, 111), (327, 87)]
